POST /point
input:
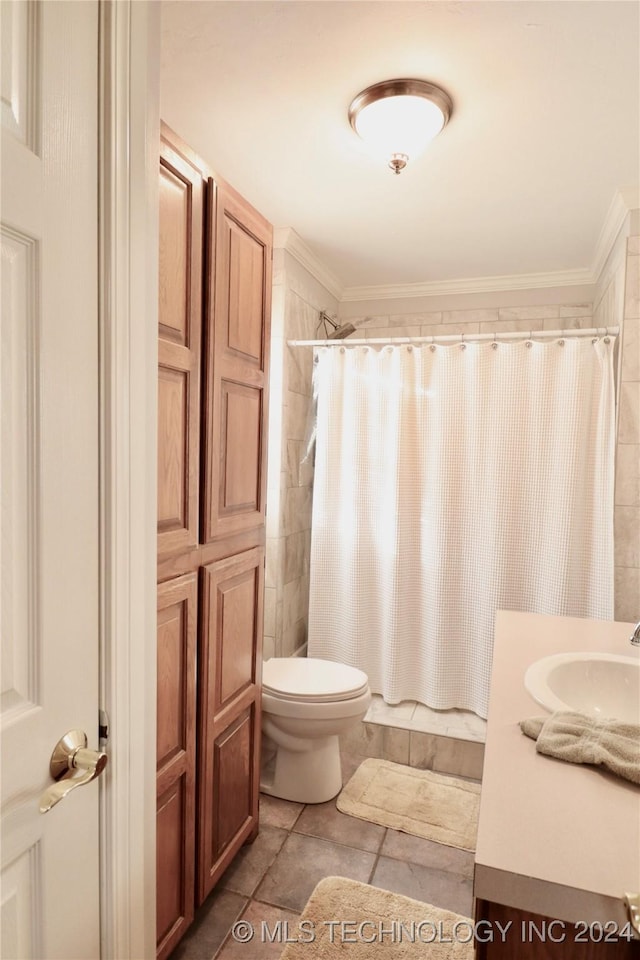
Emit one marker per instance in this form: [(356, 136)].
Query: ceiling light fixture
[(398, 118)]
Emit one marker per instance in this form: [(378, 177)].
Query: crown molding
[(286, 238), (623, 202), (433, 288)]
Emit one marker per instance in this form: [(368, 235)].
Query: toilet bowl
[(306, 704)]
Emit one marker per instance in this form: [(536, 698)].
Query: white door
[(49, 607)]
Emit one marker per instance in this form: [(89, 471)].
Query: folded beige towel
[(578, 738)]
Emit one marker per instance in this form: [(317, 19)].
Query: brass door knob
[(70, 755)]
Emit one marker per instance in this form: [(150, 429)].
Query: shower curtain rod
[(594, 332)]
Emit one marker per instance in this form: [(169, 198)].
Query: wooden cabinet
[(520, 935), (215, 290)]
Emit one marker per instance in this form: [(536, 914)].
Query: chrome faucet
[(635, 636)]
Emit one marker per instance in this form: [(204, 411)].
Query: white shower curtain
[(451, 481)]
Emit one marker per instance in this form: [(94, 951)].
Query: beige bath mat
[(344, 917), (420, 802)]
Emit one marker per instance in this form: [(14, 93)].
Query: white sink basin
[(598, 684)]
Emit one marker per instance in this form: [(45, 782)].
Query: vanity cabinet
[(213, 352), (529, 936), (558, 842)]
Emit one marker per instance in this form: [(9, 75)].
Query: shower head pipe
[(339, 332)]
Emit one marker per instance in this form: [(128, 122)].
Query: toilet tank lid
[(312, 679)]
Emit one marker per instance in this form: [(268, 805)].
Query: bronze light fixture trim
[(400, 88)]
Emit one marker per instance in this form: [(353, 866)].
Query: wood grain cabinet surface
[(214, 326), (507, 933), (179, 354), (176, 758)]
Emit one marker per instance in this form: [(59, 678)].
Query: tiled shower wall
[(297, 301), (618, 301), (484, 320)]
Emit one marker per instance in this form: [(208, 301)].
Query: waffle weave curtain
[(449, 483)]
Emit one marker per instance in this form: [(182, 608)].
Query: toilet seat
[(309, 680)]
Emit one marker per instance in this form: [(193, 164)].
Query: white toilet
[(306, 704)]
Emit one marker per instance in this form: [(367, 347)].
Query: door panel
[(179, 330), (244, 295), (175, 252), (173, 451), (237, 345), (176, 758), (175, 685), (172, 910), (229, 727), (49, 477), (231, 617), (241, 425), (232, 752)]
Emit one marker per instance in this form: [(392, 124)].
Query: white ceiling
[(545, 126)]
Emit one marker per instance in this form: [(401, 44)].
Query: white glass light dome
[(398, 118)]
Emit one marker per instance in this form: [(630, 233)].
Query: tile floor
[(297, 846)]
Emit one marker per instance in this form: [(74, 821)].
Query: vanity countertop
[(554, 838)]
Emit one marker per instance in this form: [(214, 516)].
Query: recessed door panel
[(232, 768), (229, 762), (241, 449), (176, 758), (172, 910), (173, 450), (245, 294), (179, 331), (173, 680), (175, 253), (237, 325), (232, 614)]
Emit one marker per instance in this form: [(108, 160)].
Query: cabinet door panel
[(173, 451), (232, 618), (241, 424), (237, 346), (176, 758), (229, 761), (243, 294), (179, 331), (172, 909), (232, 779)]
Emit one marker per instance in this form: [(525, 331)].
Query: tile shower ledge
[(456, 755), (459, 724), (554, 838)]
